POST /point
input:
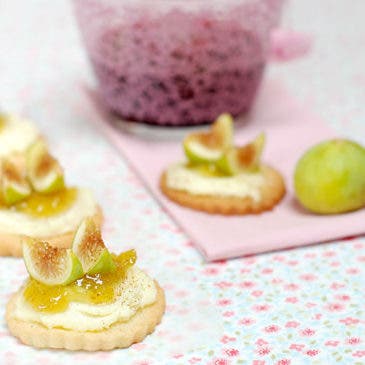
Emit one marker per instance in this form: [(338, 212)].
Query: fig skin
[(330, 177)]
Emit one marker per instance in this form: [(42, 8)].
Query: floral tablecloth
[(303, 306)]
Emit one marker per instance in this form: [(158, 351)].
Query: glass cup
[(177, 62)]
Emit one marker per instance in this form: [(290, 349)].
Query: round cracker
[(272, 191), (119, 335), (11, 244)]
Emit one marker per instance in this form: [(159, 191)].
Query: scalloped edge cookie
[(272, 192), (11, 244), (119, 335)]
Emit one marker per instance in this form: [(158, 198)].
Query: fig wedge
[(14, 185), (44, 171), (90, 249), (209, 146), (51, 265), (242, 159)]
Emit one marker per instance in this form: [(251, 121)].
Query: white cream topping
[(13, 222), (16, 135), (180, 177), (138, 290)]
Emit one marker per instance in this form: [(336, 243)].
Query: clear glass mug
[(177, 62)]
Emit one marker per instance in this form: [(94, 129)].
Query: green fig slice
[(14, 186), (51, 265), (44, 171), (90, 249), (209, 146), (242, 159)]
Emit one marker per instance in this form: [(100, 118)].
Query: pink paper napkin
[(290, 128)]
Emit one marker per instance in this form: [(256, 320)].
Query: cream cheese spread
[(249, 184), (136, 291)]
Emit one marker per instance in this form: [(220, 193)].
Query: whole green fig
[(330, 177)]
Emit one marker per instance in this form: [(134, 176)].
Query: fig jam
[(47, 205), (92, 289)]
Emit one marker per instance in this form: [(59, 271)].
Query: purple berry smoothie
[(180, 67)]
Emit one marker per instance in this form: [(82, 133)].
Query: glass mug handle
[(287, 45)]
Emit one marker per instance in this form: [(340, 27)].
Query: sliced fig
[(90, 249), (242, 159), (14, 185), (51, 265), (44, 171), (209, 146)]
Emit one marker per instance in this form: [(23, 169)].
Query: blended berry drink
[(175, 62)]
